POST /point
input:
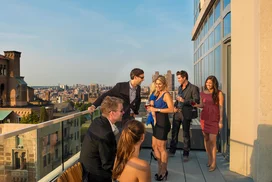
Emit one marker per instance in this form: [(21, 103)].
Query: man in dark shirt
[(129, 91), (187, 93), (99, 146)]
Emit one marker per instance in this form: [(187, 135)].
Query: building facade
[(15, 95), (232, 40)]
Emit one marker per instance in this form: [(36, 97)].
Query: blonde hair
[(162, 79), (131, 134), (110, 104), (152, 89)]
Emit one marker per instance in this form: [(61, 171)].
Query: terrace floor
[(195, 169)]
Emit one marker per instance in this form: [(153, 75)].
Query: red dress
[(210, 115)]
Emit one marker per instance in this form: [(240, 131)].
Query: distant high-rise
[(47, 95), (94, 88), (170, 78), (155, 76)]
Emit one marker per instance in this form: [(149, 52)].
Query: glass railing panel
[(18, 153), (49, 149), (41, 152)]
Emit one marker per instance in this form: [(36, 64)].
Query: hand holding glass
[(147, 104), (193, 103)]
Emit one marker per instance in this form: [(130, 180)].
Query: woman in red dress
[(211, 118)]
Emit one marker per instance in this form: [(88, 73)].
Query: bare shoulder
[(167, 95), (143, 163), (139, 164), (220, 93)]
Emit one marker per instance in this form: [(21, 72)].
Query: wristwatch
[(158, 110)]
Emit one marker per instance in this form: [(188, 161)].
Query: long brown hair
[(131, 134), (215, 88)]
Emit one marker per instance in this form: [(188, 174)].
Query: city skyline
[(65, 42)]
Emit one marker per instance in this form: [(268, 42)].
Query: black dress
[(162, 126)]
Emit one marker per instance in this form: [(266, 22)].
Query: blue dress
[(163, 125), (150, 119)]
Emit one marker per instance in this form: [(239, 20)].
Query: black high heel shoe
[(156, 176), (163, 177)]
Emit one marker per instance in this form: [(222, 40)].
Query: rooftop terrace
[(42, 152)]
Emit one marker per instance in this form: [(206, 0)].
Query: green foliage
[(31, 118), (43, 114), (82, 107)]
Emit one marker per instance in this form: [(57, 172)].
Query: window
[(196, 9), (217, 34), (17, 160), (227, 24), (48, 140), (44, 160), (217, 10), (226, 2), (56, 153), (206, 67), (211, 63), (217, 61), (205, 28), (57, 136), (211, 40), (65, 132), (19, 119), (4, 70), (78, 135), (210, 19), (49, 158)]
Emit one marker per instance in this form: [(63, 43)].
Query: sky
[(97, 41)]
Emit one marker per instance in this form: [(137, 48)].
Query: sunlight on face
[(181, 79), (209, 84), (159, 85)]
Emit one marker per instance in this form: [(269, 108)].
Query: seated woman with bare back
[(127, 165)]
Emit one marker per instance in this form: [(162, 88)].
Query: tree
[(31, 118), (43, 114)]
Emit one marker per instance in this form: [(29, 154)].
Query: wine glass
[(193, 103), (147, 104)]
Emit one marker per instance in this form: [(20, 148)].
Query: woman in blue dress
[(163, 105), (151, 118)]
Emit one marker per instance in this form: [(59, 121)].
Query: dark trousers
[(88, 177), (177, 121), (97, 178)]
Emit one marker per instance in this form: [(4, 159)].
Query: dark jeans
[(177, 121)]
